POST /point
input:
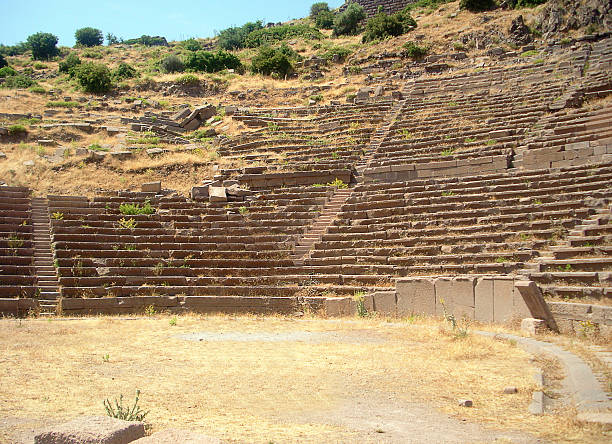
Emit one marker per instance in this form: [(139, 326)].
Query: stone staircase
[(46, 274), (319, 227), (579, 267)]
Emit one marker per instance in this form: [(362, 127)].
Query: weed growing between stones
[(126, 413), (459, 331)]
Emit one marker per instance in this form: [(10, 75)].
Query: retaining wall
[(371, 6), (18, 307), (456, 167), (271, 180), (572, 154)]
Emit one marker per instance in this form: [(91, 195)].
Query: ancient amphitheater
[(477, 189)]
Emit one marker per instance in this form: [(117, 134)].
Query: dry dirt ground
[(275, 379)]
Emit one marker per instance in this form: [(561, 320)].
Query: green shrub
[(191, 45), (125, 71), (61, 104), (205, 61), (347, 22), (18, 82), (318, 8), (92, 54), (233, 38), (382, 25), (147, 40), (14, 50), (477, 5), (7, 71), (415, 51), (43, 45), (325, 20), (134, 209), (38, 90), (266, 36), (94, 77), (188, 80), (3, 61), (88, 37), (69, 63), (271, 61), (16, 130), (172, 63), (125, 413)]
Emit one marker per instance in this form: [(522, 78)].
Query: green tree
[(94, 77), (125, 71), (234, 38), (172, 63), (325, 20), (3, 61), (382, 25), (271, 61), (43, 45), (89, 37), (191, 45), (318, 8), (347, 22), (111, 39)]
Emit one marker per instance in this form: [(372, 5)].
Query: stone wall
[(572, 154), (582, 319), (371, 6), (478, 298), (18, 307), (454, 167), (197, 304), (274, 180)]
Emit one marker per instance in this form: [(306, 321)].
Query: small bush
[(3, 61), (63, 105), (89, 37), (125, 71), (92, 54), (271, 61), (188, 80), (17, 130), (529, 3), (43, 45), (172, 63), (415, 51), (337, 51), (134, 209), (18, 82), (125, 413), (94, 77), (205, 61), (347, 22), (191, 45), (268, 36), (147, 40), (477, 5), (7, 71), (234, 38), (382, 26), (38, 90), (69, 63)]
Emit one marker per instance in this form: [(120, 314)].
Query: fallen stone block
[(532, 326), (151, 187), (217, 194), (92, 430)]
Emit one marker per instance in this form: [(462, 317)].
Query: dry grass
[(262, 391)]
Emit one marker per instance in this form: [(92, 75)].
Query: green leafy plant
[(337, 183), (17, 130), (150, 310), (126, 413), (415, 51), (106, 358), (134, 209), (172, 63), (128, 224), (57, 216), (382, 26), (347, 22), (94, 77), (359, 297), (173, 321), (43, 45), (88, 37)]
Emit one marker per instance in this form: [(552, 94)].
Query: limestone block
[(483, 300), (503, 300), (151, 187), (217, 194), (92, 430), (416, 296), (385, 303), (337, 307)]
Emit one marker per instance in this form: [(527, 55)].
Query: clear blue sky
[(175, 20)]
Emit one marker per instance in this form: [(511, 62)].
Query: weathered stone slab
[(217, 194), (385, 303), (483, 300), (337, 307), (151, 187), (92, 430), (416, 296)]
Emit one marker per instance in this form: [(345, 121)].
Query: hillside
[(331, 70)]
